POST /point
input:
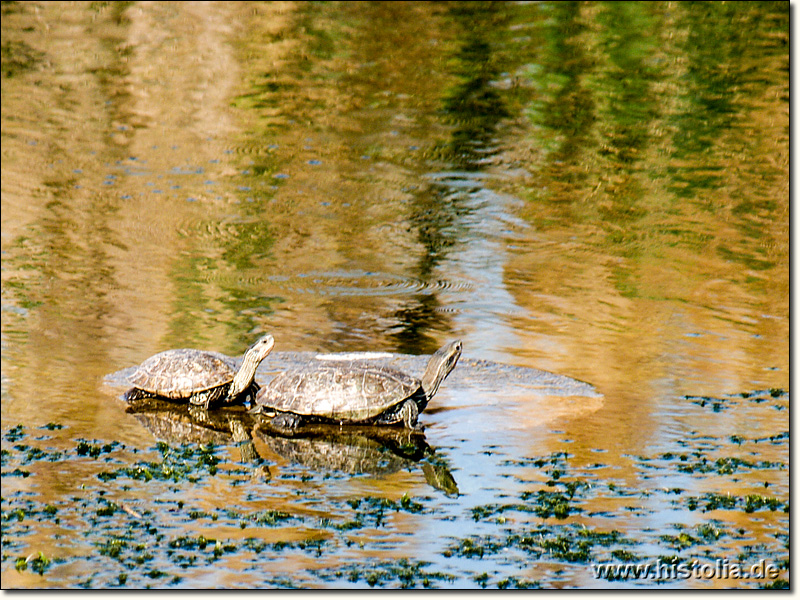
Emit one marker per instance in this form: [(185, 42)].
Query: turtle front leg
[(408, 414), (202, 399), (211, 398)]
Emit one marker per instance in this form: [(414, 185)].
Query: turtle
[(201, 377), (348, 393)]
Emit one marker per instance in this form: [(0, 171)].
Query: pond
[(592, 197)]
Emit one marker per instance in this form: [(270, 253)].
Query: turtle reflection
[(188, 424), (369, 450), (365, 450)]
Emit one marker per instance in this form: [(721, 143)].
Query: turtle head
[(439, 366), (247, 371), (261, 349)]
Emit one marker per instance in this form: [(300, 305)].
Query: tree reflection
[(473, 109)]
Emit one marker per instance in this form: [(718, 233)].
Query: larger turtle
[(201, 377), (348, 393)]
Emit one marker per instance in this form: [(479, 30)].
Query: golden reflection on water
[(388, 176)]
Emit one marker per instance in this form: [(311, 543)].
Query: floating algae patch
[(484, 580), (776, 398), (37, 562), (699, 462), (405, 572), (187, 462), (572, 543), (370, 512), (516, 583), (14, 434), (95, 449), (542, 503), (554, 546), (711, 501), (556, 497), (270, 518)]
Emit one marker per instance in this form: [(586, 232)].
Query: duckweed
[(473, 547), (753, 502), (545, 504), (518, 584), (270, 517), (750, 503), (15, 433), (187, 463), (778, 584), (86, 448), (680, 541), (408, 573), (37, 563)]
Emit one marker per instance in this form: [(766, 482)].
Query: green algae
[(542, 503), (778, 584), (270, 518), (15, 434), (750, 503), (474, 547), (754, 502), (408, 573), (515, 583), (373, 511), (567, 543), (95, 449), (185, 463), (680, 541), (37, 563)]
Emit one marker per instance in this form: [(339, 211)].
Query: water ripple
[(363, 283)]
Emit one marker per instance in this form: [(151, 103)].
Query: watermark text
[(675, 571)]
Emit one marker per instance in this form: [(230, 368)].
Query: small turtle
[(352, 393), (203, 378)]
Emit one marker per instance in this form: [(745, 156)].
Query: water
[(599, 191)]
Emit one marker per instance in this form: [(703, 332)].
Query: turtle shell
[(181, 373), (343, 393)]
